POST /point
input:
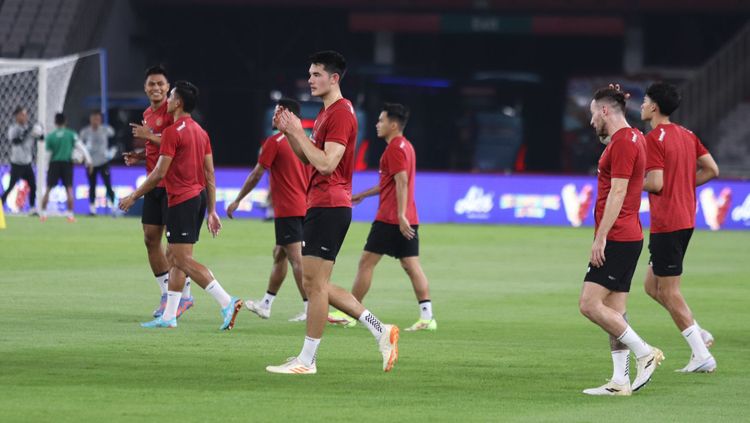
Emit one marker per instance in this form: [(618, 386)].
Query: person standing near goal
[(186, 165), (618, 240), (23, 135), (96, 137), (395, 229), (60, 143), (288, 181), (154, 216), (671, 178), (330, 151)]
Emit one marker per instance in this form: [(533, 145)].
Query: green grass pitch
[(511, 344)]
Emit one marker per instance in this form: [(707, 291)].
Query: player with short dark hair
[(288, 182), (330, 151), (395, 229), (156, 118), (60, 143), (22, 135), (617, 242), (186, 165), (671, 179)]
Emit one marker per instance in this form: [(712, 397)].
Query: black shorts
[(621, 259), (386, 238), (155, 207), (288, 229), (324, 230), (184, 220), (668, 250), (60, 171)]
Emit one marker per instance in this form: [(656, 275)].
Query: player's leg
[(619, 384), (263, 306), (15, 173), (107, 179), (28, 175), (365, 270), (91, 174), (68, 182), (419, 282), (294, 255)]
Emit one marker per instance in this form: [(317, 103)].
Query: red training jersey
[(675, 150), (624, 157), (289, 176), (188, 145), (157, 120), (338, 124), (398, 156)]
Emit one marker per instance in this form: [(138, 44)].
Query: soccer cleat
[(301, 317), (162, 304), (708, 339), (610, 388), (230, 313), (337, 317), (707, 365), (388, 345), (43, 218), (159, 323), (257, 308), (293, 366), (70, 218), (185, 304), (646, 367), (423, 325)]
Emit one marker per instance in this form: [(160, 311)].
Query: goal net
[(41, 87)]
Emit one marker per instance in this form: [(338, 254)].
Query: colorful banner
[(441, 198)]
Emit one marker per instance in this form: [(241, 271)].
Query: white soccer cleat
[(708, 339), (293, 366), (301, 317), (646, 367), (257, 308), (610, 388), (388, 345), (706, 365)]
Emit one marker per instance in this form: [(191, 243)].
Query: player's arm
[(707, 169), (654, 181), (144, 132), (82, 148), (133, 157), (357, 198), (16, 136), (402, 196), (611, 211), (153, 179), (250, 183), (213, 222), (324, 161)]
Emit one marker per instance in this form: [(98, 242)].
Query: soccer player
[(671, 178), (394, 231), (617, 242), (22, 135), (96, 137), (330, 151), (186, 165), (289, 180), (61, 142), (154, 215)]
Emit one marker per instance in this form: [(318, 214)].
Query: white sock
[(621, 367), (425, 310), (372, 323), (186, 289), (305, 302), (173, 301), (636, 344), (309, 351), (163, 282), (693, 337), (216, 291), (267, 300)]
